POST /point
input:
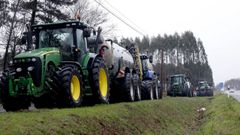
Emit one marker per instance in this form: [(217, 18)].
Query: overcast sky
[(215, 22)]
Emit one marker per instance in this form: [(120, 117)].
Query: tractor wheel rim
[(131, 91), (156, 89), (151, 94), (75, 88), (103, 82), (138, 92)]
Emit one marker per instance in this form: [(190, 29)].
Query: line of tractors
[(179, 85), (70, 61)]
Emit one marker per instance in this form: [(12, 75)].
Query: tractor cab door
[(81, 47), (65, 41)]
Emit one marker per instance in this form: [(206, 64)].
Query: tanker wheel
[(128, 90), (147, 90), (136, 86), (11, 103), (100, 81), (156, 90), (71, 87)]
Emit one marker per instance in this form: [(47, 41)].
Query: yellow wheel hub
[(75, 88), (103, 82)]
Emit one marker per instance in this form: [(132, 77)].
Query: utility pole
[(161, 74)]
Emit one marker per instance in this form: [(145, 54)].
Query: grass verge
[(222, 117), (172, 116)]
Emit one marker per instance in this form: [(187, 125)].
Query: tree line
[(182, 53)]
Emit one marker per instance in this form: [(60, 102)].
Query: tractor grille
[(29, 66)]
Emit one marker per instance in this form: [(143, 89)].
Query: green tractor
[(63, 67), (179, 85)]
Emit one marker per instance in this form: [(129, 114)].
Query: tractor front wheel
[(71, 86)]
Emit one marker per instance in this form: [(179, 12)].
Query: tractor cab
[(179, 85), (68, 37), (147, 67)]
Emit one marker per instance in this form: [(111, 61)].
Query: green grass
[(222, 117), (175, 116)]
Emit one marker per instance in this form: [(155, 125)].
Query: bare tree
[(93, 15), (13, 21)]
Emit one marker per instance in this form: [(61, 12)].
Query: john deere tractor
[(179, 85), (63, 67)]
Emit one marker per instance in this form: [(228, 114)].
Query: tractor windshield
[(203, 85), (176, 80), (62, 37), (146, 64)]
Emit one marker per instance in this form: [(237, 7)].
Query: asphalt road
[(235, 94)]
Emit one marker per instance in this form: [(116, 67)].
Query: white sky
[(215, 22)]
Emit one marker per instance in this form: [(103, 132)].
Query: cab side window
[(81, 44)]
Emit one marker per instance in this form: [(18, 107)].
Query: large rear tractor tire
[(147, 90), (71, 86), (128, 90), (100, 81), (136, 87), (11, 103)]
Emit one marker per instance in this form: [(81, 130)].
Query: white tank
[(118, 58)]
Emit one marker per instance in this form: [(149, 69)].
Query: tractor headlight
[(34, 59), (19, 69), (30, 68), (11, 62)]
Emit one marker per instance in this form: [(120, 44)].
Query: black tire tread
[(128, 83), (146, 89), (137, 83), (62, 79), (99, 63)]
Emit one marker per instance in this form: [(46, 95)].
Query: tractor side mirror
[(151, 59), (109, 40), (87, 32), (27, 39)]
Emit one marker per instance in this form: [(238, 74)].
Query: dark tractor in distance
[(203, 89), (150, 84), (179, 85), (63, 67)]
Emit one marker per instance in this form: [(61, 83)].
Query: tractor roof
[(180, 75), (61, 24), (143, 56)]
